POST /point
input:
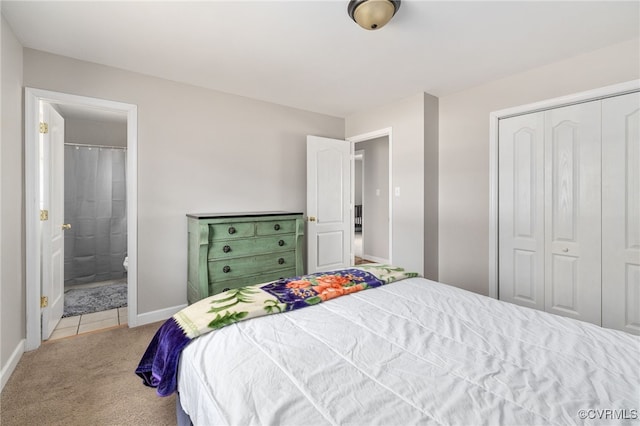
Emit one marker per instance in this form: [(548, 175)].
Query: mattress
[(411, 352)]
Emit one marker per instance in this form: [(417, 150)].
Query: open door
[(52, 217), (329, 207)]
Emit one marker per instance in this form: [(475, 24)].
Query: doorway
[(358, 179), (372, 197), (95, 239), (330, 200), (89, 116)]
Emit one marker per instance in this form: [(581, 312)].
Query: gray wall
[(408, 119), (198, 151), (464, 149), (94, 132), (375, 211), (12, 288), (431, 187), (357, 184)]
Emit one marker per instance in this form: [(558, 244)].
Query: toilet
[(126, 263)]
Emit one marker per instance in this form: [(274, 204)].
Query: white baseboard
[(375, 259), (159, 315), (11, 365)]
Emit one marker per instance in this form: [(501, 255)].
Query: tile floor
[(71, 326)]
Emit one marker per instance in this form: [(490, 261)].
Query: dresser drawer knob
[(281, 243), (276, 227), (232, 230), (226, 269), (280, 261), (226, 249)]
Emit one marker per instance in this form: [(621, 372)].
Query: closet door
[(621, 213), (572, 212), (521, 210)]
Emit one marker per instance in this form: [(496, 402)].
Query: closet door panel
[(520, 210), (572, 212), (621, 213)]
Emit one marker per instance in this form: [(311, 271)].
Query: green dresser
[(231, 250)]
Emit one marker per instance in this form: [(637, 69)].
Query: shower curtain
[(96, 207)]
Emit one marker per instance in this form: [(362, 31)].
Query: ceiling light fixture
[(372, 14)]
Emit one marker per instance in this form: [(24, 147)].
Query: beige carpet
[(85, 380)]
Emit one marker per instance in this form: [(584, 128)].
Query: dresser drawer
[(231, 230), (272, 227), (226, 269), (246, 247), (220, 286)]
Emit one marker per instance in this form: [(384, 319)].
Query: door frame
[(388, 132), (494, 118), (32, 201)]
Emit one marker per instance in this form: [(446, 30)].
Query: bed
[(410, 352)]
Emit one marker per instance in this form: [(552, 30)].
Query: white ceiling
[(92, 114), (310, 55)]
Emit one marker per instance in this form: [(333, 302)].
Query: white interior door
[(521, 210), (621, 213), (52, 197), (329, 208), (572, 212)]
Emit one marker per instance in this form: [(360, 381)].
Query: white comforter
[(411, 352)]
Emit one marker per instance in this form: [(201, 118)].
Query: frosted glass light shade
[(372, 14)]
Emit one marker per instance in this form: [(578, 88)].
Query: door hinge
[(44, 301), (44, 127), (44, 214)]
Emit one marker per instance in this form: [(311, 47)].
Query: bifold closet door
[(621, 213), (572, 211), (521, 210)]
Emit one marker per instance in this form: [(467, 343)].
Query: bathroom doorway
[(95, 220), (97, 157)]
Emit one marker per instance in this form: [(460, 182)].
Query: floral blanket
[(159, 364)]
